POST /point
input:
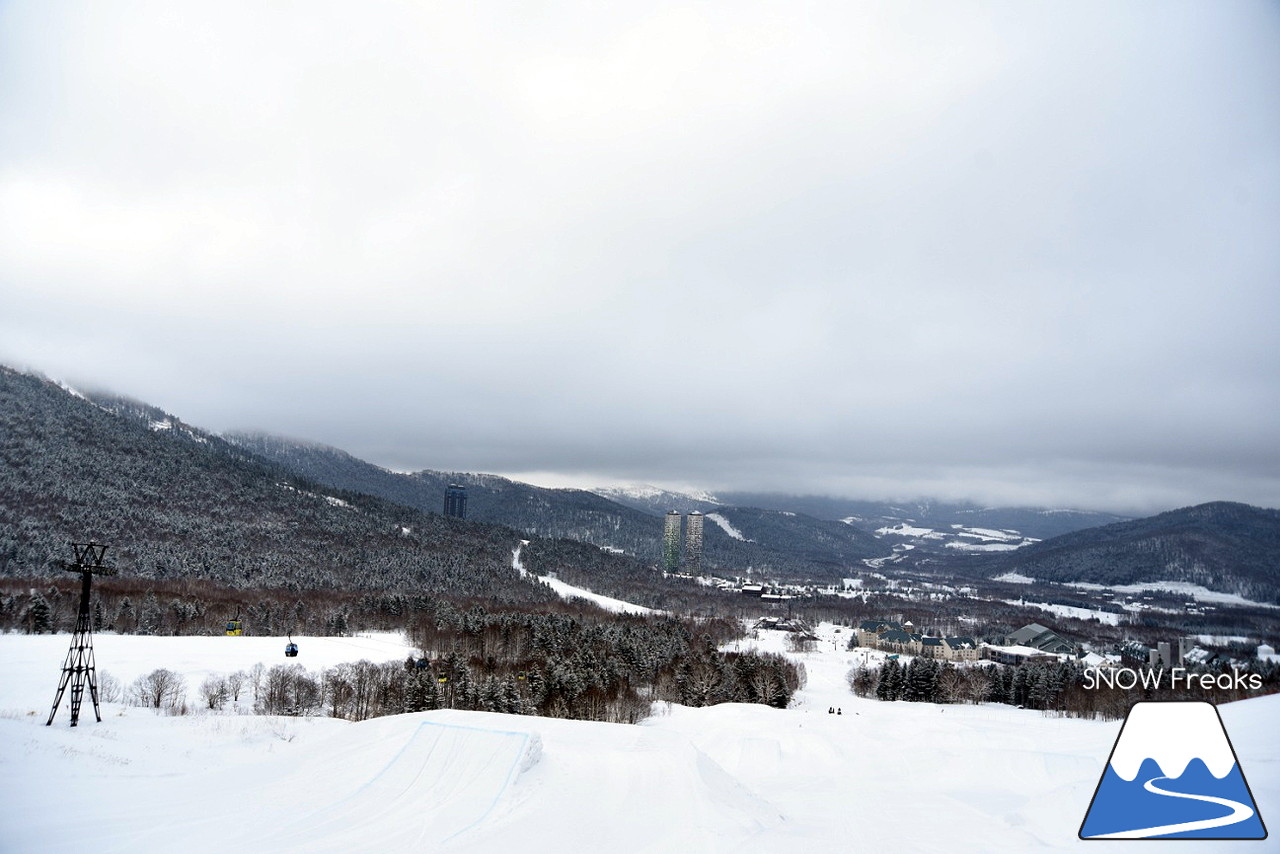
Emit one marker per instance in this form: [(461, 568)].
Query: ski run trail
[(887, 777)]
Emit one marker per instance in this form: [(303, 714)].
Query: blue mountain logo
[(1173, 775)]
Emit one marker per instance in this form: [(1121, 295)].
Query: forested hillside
[(779, 544), (202, 531), (1224, 546), (175, 503)]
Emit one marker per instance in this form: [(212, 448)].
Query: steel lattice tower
[(79, 667)]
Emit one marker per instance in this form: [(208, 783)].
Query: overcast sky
[(1014, 252)]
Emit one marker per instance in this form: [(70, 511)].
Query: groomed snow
[(730, 778), (727, 527), (570, 591), (617, 606)]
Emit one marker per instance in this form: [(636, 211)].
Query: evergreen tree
[(921, 681), (1020, 694), (150, 616), (463, 689), (434, 696), (415, 690), (512, 702), (890, 685), (38, 618), (126, 621), (490, 696)]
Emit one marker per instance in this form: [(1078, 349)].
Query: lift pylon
[(78, 669)]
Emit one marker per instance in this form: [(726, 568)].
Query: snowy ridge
[(69, 390), (645, 492), (1172, 734)]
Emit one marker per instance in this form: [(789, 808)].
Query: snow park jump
[(446, 779)]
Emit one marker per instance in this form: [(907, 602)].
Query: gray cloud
[(984, 251)]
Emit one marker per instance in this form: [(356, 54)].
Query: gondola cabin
[(291, 650), (234, 629)]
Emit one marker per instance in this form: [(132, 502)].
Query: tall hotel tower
[(693, 544), (455, 501), (671, 543)]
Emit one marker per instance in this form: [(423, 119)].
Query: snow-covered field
[(1108, 617), (958, 537), (1190, 591), (878, 777)]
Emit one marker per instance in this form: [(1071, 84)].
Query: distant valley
[(254, 508)]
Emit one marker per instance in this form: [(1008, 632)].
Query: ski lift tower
[(79, 666)]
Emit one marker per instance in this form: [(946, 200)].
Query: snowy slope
[(570, 591), (888, 776)]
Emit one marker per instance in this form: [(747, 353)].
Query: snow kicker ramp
[(445, 780)]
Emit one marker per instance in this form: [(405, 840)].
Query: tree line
[(564, 660), (1059, 687)]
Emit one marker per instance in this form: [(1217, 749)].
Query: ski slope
[(569, 591), (730, 778)]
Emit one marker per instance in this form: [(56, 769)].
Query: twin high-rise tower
[(455, 501), (692, 525)]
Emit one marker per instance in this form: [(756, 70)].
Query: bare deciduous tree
[(235, 684), (214, 692), (160, 689), (109, 688)]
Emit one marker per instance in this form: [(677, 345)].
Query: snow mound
[(645, 788)]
